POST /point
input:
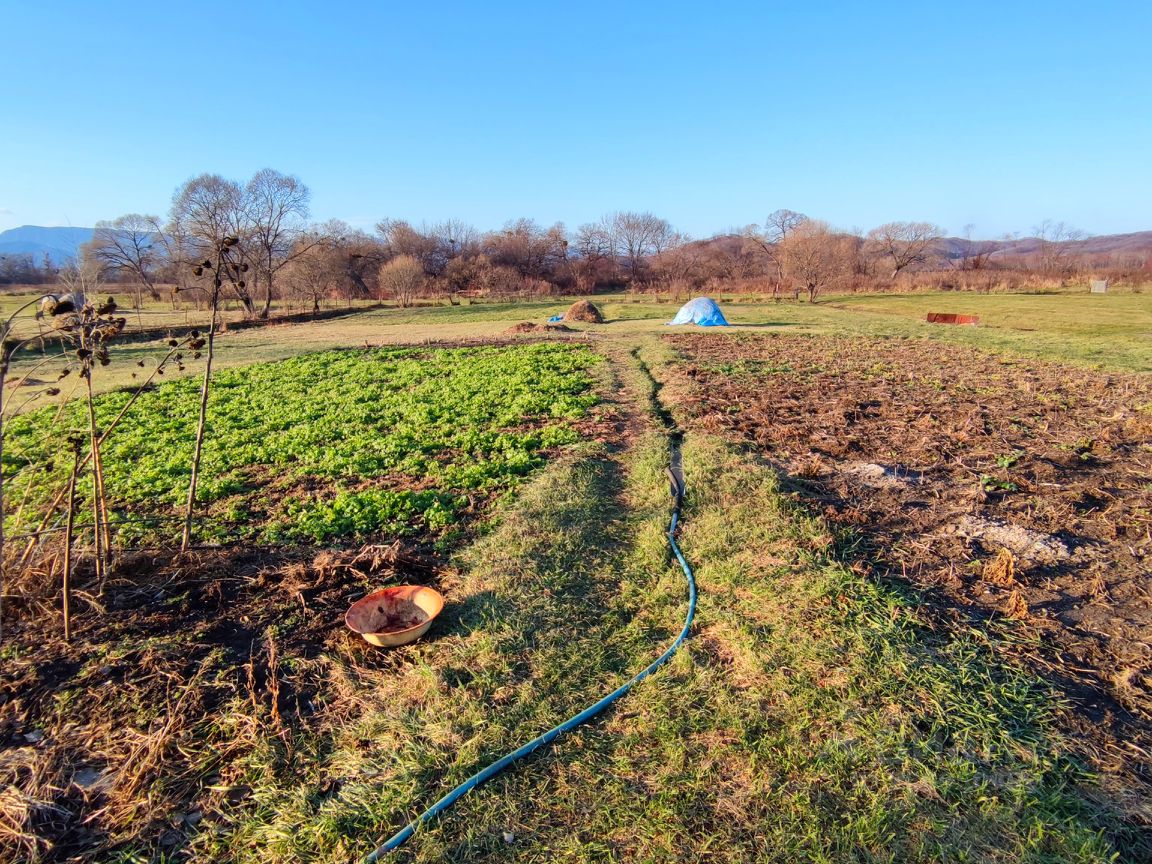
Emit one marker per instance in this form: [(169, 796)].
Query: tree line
[(288, 258)]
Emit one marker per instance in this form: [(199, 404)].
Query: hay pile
[(584, 311)]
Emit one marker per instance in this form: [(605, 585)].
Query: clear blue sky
[(709, 114)]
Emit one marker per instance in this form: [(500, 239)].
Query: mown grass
[(1112, 330), (813, 716)]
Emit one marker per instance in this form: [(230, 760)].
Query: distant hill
[(1137, 242), (1104, 244), (60, 244)]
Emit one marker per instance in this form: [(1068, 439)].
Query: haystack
[(584, 311)]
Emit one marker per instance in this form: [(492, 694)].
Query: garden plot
[(323, 446), (1011, 487), (188, 673)]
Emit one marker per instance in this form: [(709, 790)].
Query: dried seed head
[(172, 343)]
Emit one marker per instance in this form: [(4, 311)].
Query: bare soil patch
[(532, 327), (133, 735), (1008, 487)]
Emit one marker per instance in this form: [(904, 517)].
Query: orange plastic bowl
[(395, 616)]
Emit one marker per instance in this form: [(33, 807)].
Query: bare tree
[(815, 257), (401, 239), (82, 278), (204, 210), (276, 206), (529, 248), (974, 254), (765, 241), (314, 273), (402, 278), (595, 256), (679, 265), (904, 243), (730, 259), (638, 235), (132, 245), (454, 239), (1056, 244)]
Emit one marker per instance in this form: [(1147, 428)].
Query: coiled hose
[(676, 478)]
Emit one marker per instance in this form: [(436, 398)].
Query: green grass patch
[(321, 446), (1113, 330)]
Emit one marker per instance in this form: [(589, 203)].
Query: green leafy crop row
[(338, 444)]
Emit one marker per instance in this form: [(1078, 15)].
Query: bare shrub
[(402, 279)]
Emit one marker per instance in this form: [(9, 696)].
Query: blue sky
[(709, 114)]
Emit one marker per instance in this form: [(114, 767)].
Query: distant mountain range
[(60, 244), (1104, 244)]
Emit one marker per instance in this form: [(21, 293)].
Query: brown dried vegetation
[(1006, 487), (135, 733)]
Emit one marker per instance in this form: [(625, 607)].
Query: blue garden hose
[(588, 713)]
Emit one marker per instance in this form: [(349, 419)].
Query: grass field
[(1110, 331), (213, 707)]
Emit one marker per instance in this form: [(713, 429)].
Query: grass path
[(813, 715)]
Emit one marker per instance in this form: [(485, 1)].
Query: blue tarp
[(702, 311), (555, 318)]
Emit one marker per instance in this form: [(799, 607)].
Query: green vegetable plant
[(327, 446)]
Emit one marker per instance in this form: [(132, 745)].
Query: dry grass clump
[(1001, 570)]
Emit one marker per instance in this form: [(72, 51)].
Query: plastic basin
[(396, 615)]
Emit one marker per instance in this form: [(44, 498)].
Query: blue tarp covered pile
[(702, 311)]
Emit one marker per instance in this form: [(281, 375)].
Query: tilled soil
[(1008, 487)]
